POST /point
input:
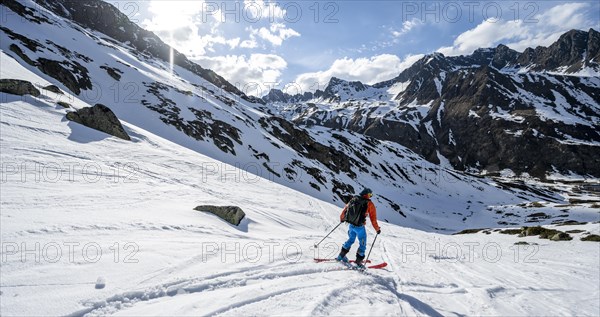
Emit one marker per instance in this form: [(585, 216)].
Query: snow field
[(165, 264)]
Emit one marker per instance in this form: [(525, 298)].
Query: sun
[(173, 14)]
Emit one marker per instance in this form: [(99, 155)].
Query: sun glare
[(172, 15)]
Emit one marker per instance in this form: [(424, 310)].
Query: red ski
[(334, 260), (375, 266), (378, 266)]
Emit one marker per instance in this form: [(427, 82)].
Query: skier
[(355, 213)]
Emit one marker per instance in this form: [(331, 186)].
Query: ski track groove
[(126, 227), (235, 279), (324, 307), (319, 309), (256, 300), (415, 306), (208, 283)]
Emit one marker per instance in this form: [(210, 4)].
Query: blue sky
[(262, 44)]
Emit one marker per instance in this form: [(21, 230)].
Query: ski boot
[(342, 257), (359, 262)]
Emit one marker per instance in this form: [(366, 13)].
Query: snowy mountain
[(336, 90), (93, 224), (533, 113), (106, 227), (181, 103)]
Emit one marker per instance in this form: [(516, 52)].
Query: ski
[(363, 268), (334, 260), (354, 267), (378, 266)]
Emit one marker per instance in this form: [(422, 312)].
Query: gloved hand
[(379, 231)]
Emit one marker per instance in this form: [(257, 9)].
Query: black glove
[(379, 231)]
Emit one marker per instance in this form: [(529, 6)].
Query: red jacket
[(371, 212)]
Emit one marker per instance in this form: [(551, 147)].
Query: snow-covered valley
[(93, 224), (79, 205)]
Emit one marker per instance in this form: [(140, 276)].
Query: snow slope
[(177, 105), (68, 192)]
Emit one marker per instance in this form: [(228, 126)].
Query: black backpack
[(355, 211)]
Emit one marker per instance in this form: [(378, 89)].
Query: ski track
[(414, 307), (236, 279), (254, 300), (358, 282)]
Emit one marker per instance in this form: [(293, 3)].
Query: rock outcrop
[(231, 214), (101, 118), (18, 87)]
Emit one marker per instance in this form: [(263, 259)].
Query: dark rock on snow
[(101, 118), (18, 87), (231, 214), (54, 89), (70, 73)]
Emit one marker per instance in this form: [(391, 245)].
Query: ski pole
[(317, 244), (371, 249)]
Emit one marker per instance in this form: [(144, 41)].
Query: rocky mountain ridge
[(533, 113)]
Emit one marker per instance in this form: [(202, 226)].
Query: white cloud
[(270, 12), (485, 34), (367, 70), (275, 34), (200, 45), (251, 43), (407, 26), (183, 25), (258, 70), (519, 34)]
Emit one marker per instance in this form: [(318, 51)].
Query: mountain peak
[(435, 56), (339, 87), (339, 81), (574, 51), (336, 81), (279, 96), (574, 32), (276, 95)]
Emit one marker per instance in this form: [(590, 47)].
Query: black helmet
[(366, 191)]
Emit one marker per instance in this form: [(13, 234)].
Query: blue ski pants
[(361, 233)]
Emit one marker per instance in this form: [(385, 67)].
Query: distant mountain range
[(536, 112)]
